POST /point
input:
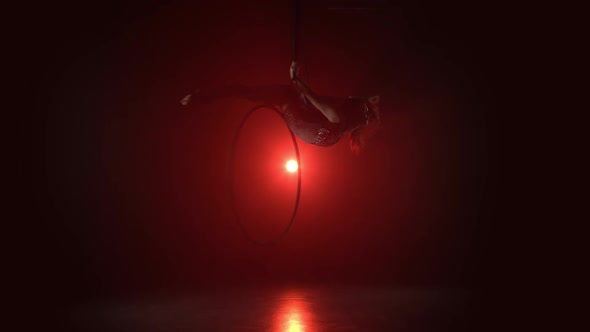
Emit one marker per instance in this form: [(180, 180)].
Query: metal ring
[(231, 179)]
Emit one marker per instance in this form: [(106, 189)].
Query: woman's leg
[(275, 95), (323, 104)]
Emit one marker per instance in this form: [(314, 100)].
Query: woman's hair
[(360, 136)]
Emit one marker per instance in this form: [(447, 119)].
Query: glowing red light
[(291, 166)]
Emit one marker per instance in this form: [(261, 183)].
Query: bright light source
[(291, 166)]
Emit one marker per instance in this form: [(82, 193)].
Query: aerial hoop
[(231, 180)]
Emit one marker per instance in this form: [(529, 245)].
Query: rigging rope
[(296, 27)]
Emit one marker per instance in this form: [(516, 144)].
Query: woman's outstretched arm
[(321, 103)]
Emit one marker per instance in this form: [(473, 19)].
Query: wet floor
[(282, 309)]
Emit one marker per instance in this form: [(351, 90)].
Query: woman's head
[(360, 136)]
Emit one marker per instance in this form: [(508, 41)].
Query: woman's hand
[(294, 70)]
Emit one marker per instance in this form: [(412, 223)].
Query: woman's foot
[(186, 100)]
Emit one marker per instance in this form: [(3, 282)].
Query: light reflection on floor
[(280, 310), (293, 313)]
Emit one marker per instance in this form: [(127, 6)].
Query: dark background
[(125, 192)]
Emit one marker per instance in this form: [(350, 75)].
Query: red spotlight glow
[(291, 166)]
